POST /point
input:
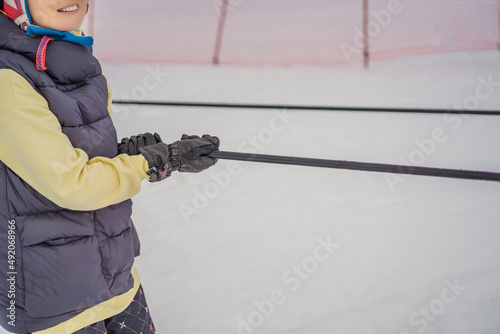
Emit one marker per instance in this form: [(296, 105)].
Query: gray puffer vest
[(65, 261)]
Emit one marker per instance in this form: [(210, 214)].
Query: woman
[(67, 240)]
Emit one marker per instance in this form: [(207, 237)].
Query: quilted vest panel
[(65, 261)]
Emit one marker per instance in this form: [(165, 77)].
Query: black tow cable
[(359, 166), (315, 108)]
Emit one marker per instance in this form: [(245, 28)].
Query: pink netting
[(284, 32)]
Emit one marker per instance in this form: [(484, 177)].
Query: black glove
[(190, 153), (132, 145), (186, 155)]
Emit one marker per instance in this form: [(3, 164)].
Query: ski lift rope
[(318, 108), (359, 166), (342, 164)]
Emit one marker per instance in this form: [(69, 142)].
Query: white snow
[(396, 251), (398, 248)]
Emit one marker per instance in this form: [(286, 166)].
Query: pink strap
[(41, 53)]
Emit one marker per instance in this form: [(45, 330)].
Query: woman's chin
[(62, 26)]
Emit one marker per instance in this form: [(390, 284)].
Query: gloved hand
[(186, 155), (131, 145), (191, 153)]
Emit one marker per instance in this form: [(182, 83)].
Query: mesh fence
[(285, 32)]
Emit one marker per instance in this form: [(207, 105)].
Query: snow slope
[(205, 263), (256, 248)]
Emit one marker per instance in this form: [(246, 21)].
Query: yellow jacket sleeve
[(110, 99), (33, 145)]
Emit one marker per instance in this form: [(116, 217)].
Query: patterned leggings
[(134, 320)]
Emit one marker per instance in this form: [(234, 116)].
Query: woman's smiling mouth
[(68, 9)]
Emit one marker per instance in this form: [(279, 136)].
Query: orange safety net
[(287, 32)]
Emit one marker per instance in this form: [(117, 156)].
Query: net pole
[(220, 32), (498, 43), (91, 18), (366, 35)]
